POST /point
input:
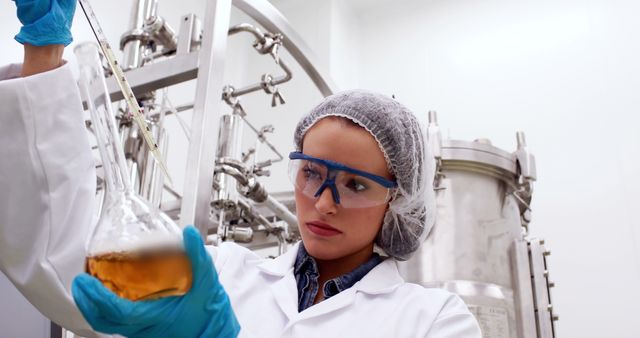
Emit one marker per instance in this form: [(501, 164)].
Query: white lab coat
[(47, 203)]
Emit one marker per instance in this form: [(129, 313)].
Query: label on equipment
[(494, 321)]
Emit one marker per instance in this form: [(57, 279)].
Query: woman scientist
[(361, 179)]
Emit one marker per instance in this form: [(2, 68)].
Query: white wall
[(565, 72)]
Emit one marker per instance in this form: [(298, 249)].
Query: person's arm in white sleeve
[(47, 188)]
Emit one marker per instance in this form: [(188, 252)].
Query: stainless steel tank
[(479, 248)]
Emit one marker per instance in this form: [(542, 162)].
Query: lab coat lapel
[(384, 278), (284, 289), (285, 292), (339, 301)]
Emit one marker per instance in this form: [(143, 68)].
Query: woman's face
[(335, 140)]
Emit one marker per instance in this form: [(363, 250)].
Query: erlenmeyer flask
[(135, 250)]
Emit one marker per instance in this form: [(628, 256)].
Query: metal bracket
[(434, 143), (526, 167), (545, 316), (196, 208), (189, 34), (523, 295)]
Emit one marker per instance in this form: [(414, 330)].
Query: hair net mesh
[(411, 211)]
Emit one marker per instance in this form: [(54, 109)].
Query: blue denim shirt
[(307, 274)]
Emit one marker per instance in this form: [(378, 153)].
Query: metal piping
[(272, 20)]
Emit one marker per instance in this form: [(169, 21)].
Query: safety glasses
[(350, 188)]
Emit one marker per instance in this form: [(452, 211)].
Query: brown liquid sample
[(143, 275)]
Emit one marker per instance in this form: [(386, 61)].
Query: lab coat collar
[(384, 278), (281, 265)]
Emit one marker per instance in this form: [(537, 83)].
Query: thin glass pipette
[(118, 74)]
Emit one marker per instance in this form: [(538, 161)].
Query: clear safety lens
[(354, 191)]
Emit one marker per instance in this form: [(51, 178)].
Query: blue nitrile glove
[(45, 22), (204, 311)]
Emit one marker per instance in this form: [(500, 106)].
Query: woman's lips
[(322, 229)]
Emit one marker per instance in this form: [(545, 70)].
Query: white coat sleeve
[(47, 190), (455, 321)]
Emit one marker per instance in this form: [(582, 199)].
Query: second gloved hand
[(204, 311), (45, 22)]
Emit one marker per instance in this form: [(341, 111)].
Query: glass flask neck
[(103, 121)]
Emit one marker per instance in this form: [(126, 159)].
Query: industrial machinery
[(222, 194), (479, 247)]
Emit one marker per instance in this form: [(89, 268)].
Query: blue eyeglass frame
[(336, 166)]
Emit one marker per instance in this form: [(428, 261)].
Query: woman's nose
[(325, 203)]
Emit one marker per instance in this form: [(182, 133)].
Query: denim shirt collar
[(307, 274)]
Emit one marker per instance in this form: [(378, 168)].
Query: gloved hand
[(204, 311), (45, 22)]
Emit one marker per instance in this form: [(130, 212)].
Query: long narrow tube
[(229, 146), (281, 211), (245, 27), (281, 235)]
